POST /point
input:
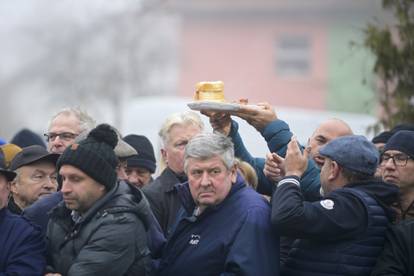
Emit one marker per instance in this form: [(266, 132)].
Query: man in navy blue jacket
[(343, 234), (22, 247), (224, 226)]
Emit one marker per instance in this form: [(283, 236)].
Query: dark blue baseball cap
[(353, 152)]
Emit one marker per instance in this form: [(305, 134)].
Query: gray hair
[(207, 145), (86, 122), (353, 176), (180, 118), (18, 172)]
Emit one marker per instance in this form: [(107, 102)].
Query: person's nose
[(389, 164), (66, 189), (205, 179), (49, 183), (133, 178)]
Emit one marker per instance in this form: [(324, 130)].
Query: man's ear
[(164, 155), (102, 188), (12, 187), (335, 170), (233, 172)]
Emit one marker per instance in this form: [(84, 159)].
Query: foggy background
[(130, 63)]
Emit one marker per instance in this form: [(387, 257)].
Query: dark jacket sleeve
[(114, 241), (153, 198), (265, 186), (397, 256), (37, 213), (340, 215), (155, 236), (277, 135), (255, 247), (28, 253)]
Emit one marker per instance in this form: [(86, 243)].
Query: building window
[(293, 56)]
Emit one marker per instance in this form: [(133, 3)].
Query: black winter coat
[(163, 199), (398, 254), (110, 238)]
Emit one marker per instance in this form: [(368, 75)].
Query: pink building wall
[(242, 54)]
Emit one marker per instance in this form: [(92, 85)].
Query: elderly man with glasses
[(397, 166), (65, 126)]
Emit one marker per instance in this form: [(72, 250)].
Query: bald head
[(326, 132)]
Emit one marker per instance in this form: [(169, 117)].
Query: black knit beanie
[(94, 155), (402, 141), (382, 137), (145, 157), (403, 126)]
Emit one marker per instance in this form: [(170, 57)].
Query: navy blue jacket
[(233, 238), (37, 213), (340, 235), (22, 247)]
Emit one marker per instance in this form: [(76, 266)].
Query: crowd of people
[(86, 199)]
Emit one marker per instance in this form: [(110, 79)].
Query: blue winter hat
[(26, 137), (353, 152)]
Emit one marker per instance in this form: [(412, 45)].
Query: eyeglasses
[(399, 160), (65, 136), (40, 177)]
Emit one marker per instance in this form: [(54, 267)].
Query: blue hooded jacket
[(234, 237)]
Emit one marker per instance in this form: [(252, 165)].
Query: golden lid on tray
[(212, 91)]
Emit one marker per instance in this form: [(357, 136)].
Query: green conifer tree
[(393, 49)]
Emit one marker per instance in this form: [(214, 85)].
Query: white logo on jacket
[(195, 239), (327, 204)]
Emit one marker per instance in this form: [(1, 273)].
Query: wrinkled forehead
[(331, 130), (394, 152), (208, 162), (183, 132), (65, 122), (44, 166)]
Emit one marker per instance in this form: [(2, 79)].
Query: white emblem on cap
[(327, 204)]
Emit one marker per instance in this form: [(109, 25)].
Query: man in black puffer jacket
[(99, 228)]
